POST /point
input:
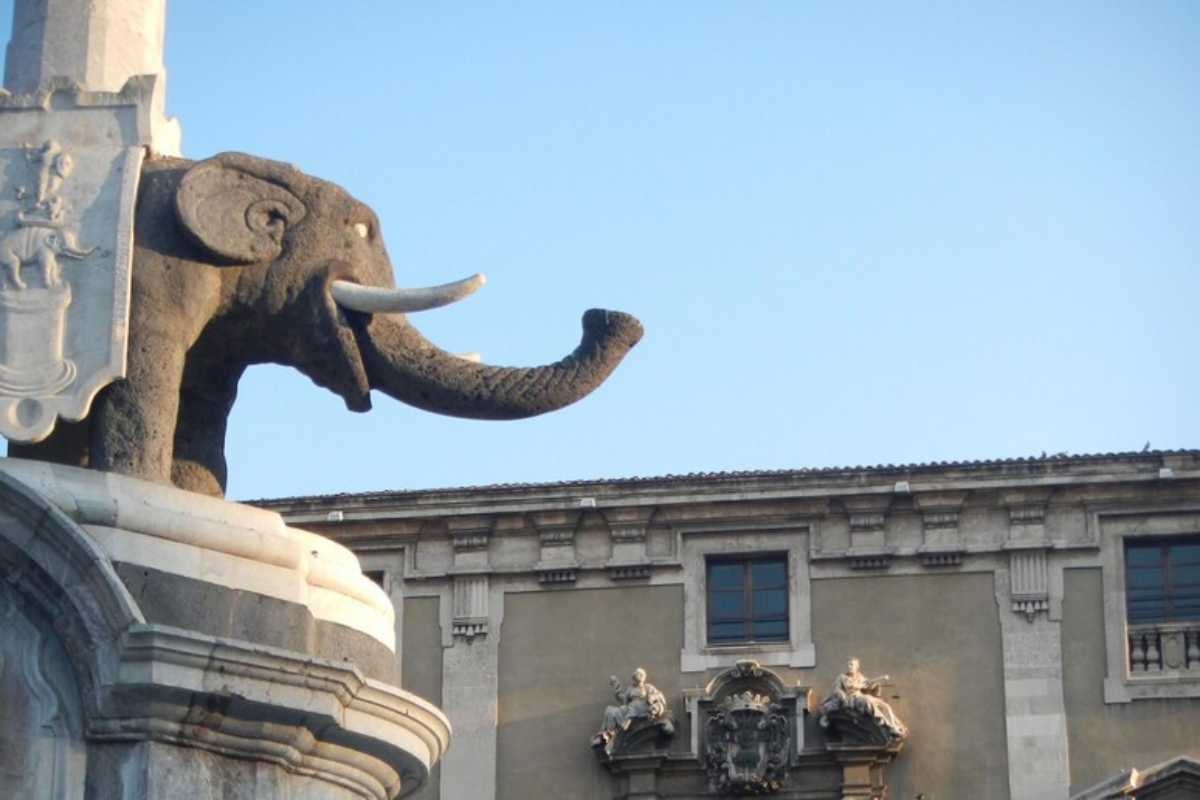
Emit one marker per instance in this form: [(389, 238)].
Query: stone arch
[(747, 674), (51, 566)]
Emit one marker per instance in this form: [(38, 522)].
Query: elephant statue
[(40, 245), (240, 261)]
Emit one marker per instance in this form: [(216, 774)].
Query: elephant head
[(240, 261)]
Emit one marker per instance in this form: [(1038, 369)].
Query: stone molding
[(309, 715), (931, 521), (183, 533), (472, 532), (750, 488), (942, 544), (146, 93)]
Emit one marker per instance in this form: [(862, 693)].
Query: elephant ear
[(236, 215)]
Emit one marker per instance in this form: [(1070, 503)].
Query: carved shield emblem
[(746, 750), (69, 168)]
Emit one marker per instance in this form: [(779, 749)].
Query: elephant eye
[(361, 229)]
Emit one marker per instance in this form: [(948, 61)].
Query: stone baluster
[(1137, 653), (1153, 652), (1193, 649)]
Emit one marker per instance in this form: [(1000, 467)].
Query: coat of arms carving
[(747, 745), (69, 166)]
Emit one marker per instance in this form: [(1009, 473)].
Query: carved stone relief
[(747, 745), (41, 749), (753, 728), (69, 167)]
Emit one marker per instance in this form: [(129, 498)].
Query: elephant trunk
[(405, 365), (76, 253)]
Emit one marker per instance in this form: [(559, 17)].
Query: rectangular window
[(1162, 580), (747, 600)]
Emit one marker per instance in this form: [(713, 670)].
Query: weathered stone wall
[(939, 637), (557, 652), (1105, 738)]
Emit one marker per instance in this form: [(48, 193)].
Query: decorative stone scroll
[(69, 166)]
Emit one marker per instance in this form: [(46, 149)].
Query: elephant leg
[(134, 419), (13, 265), (199, 464), (49, 265)]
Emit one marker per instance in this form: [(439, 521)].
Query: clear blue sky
[(855, 233)]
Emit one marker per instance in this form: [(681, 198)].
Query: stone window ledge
[(1166, 686), (769, 655)]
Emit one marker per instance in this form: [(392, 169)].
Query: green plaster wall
[(557, 651), (421, 661), (938, 636), (1105, 739)]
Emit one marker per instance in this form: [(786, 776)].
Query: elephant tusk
[(373, 300)]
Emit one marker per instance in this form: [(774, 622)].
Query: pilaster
[(470, 662), (1035, 711)]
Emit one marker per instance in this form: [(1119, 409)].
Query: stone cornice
[(743, 487), (309, 715), (187, 534)]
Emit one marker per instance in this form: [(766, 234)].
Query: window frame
[(1115, 528), (749, 618), (696, 541)]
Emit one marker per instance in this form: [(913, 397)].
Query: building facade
[(1039, 620)]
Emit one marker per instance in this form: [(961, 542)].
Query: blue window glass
[(747, 600), (1162, 580)]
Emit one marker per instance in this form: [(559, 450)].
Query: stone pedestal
[(160, 644)]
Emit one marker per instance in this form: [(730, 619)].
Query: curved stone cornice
[(747, 671), (183, 533), (311, 716)]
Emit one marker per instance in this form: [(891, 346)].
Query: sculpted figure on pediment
[(638, 704), (856, 710)]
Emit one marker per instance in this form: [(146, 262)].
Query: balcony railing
[(1164, 649)]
